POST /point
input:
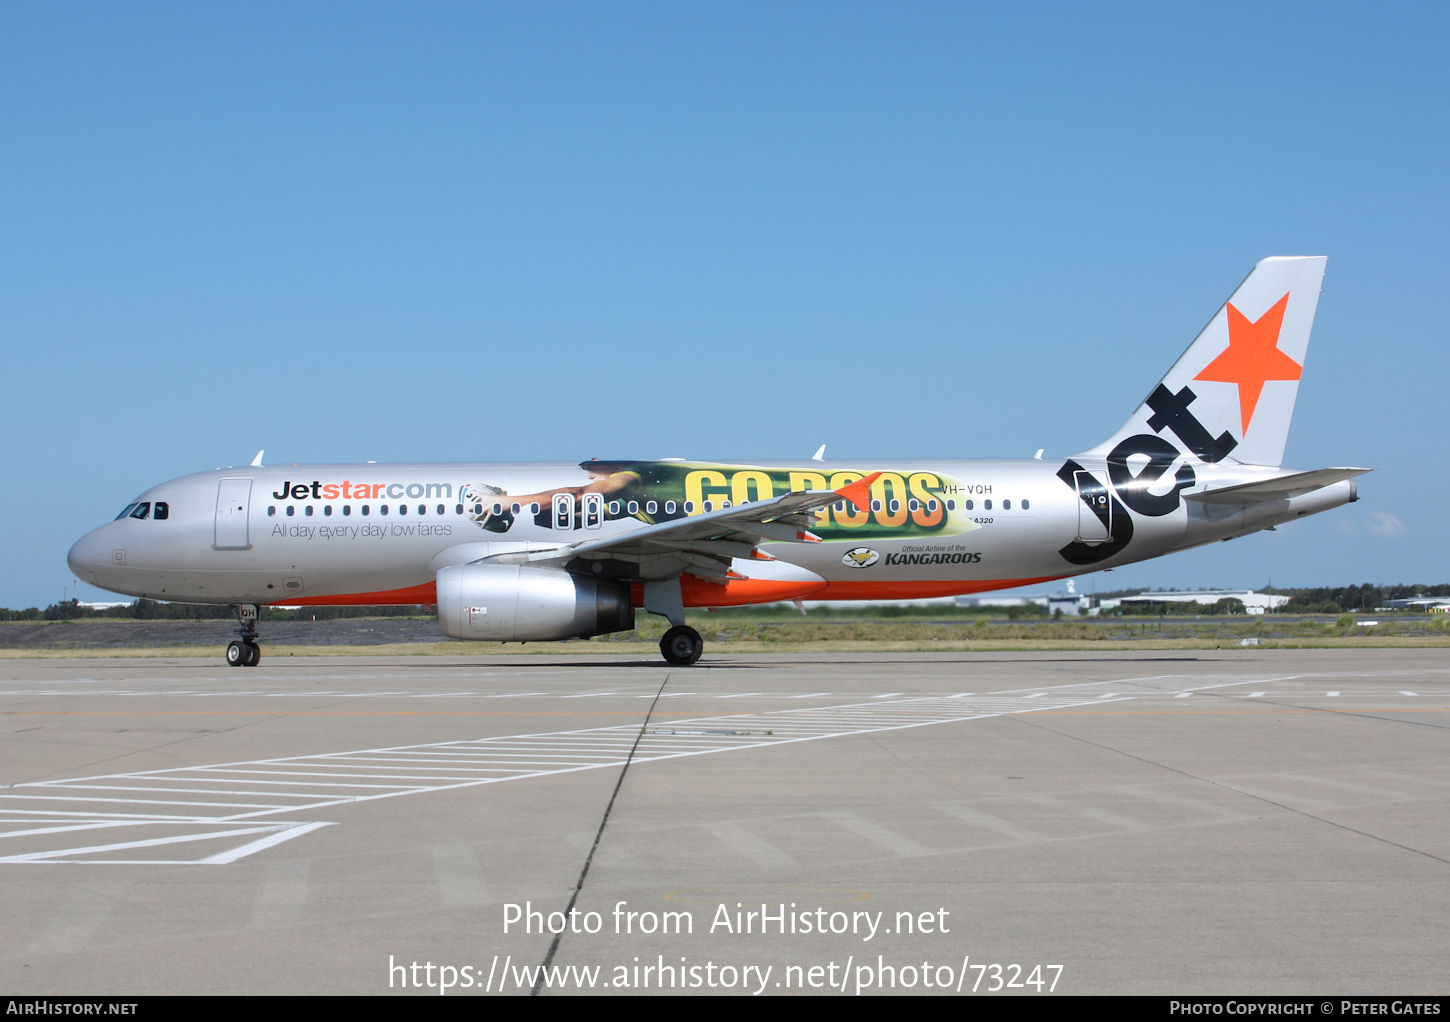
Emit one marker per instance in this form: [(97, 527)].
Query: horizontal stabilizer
[(1281, 488)]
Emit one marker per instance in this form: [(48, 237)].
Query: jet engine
[(516, 603)]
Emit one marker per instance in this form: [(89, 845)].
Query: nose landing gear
[(244, 652)]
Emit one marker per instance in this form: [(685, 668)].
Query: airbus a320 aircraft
[(514, 552)]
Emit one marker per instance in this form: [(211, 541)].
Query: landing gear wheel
[(254, 655), (682, 645), (237, 655)]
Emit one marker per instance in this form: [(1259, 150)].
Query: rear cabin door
[(1094, 509), (233, 505)]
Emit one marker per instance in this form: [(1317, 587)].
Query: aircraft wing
[(1281, 488), (702, 544)]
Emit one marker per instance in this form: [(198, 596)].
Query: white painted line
[(1409, 693), (809, 695), (364, 775), (53, 856), (263, 842), (1035, 695), (1331, 694), (1183, 695), (1256, 695)]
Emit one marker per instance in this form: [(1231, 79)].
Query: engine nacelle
[(516, 603)]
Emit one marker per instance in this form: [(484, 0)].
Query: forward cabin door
[(233, 504)]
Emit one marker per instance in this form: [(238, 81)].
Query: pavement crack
[(598, 836)]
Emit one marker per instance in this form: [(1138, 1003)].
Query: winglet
[(820, 454), (859, 492), (257, 461)]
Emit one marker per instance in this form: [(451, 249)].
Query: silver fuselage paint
[(201, 554)]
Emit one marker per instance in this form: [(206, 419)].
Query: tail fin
[(1231, 395)]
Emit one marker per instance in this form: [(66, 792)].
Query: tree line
[(152, 610)]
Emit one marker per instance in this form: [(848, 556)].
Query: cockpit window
[(143, 510), (162, 511), (126, 511)]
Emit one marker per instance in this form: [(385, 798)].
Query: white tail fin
[(1231, 395)]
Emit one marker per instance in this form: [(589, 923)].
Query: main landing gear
[(682, 645), (244, 652)]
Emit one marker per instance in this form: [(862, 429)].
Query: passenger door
[(233, 507), (1094, 509)]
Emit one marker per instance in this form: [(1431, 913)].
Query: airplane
[(540, 552)]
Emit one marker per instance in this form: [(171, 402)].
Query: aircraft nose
[(82, 556)]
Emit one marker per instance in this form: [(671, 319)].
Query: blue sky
[(556, 231)]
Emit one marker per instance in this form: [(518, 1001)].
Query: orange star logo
[(1252, 357)]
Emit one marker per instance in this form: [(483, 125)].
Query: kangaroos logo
[(860, 557)]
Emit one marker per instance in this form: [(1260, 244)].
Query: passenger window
[(143, 510), (709, 505), (307, 510), (442, 510), (669, 507), (968, 505), (327, 511), (291, 510), (593, 510), (689, 507), (912, 505), (876, 505), (272, 512), (1026, 505), (614, 507), (634, 507), (951, 505), (347, 509), (840, 507), (517, 509), (894, 505), (651, 507), (1006, 505), (534, 508), (382, 509), (457, 509), (422, 509), (987, 504), (402, 509), (364, 509), (162, 511), (125, 511), (932, 505)]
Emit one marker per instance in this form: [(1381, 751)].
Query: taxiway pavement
[(1256, 821)]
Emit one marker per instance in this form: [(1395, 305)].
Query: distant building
[(1254, 603), (1002, 601), (1424, 604)]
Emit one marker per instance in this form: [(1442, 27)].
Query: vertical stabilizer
[(1231, 395)]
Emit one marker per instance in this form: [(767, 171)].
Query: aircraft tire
[(682, 645), (237, 655), (254, 655)]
